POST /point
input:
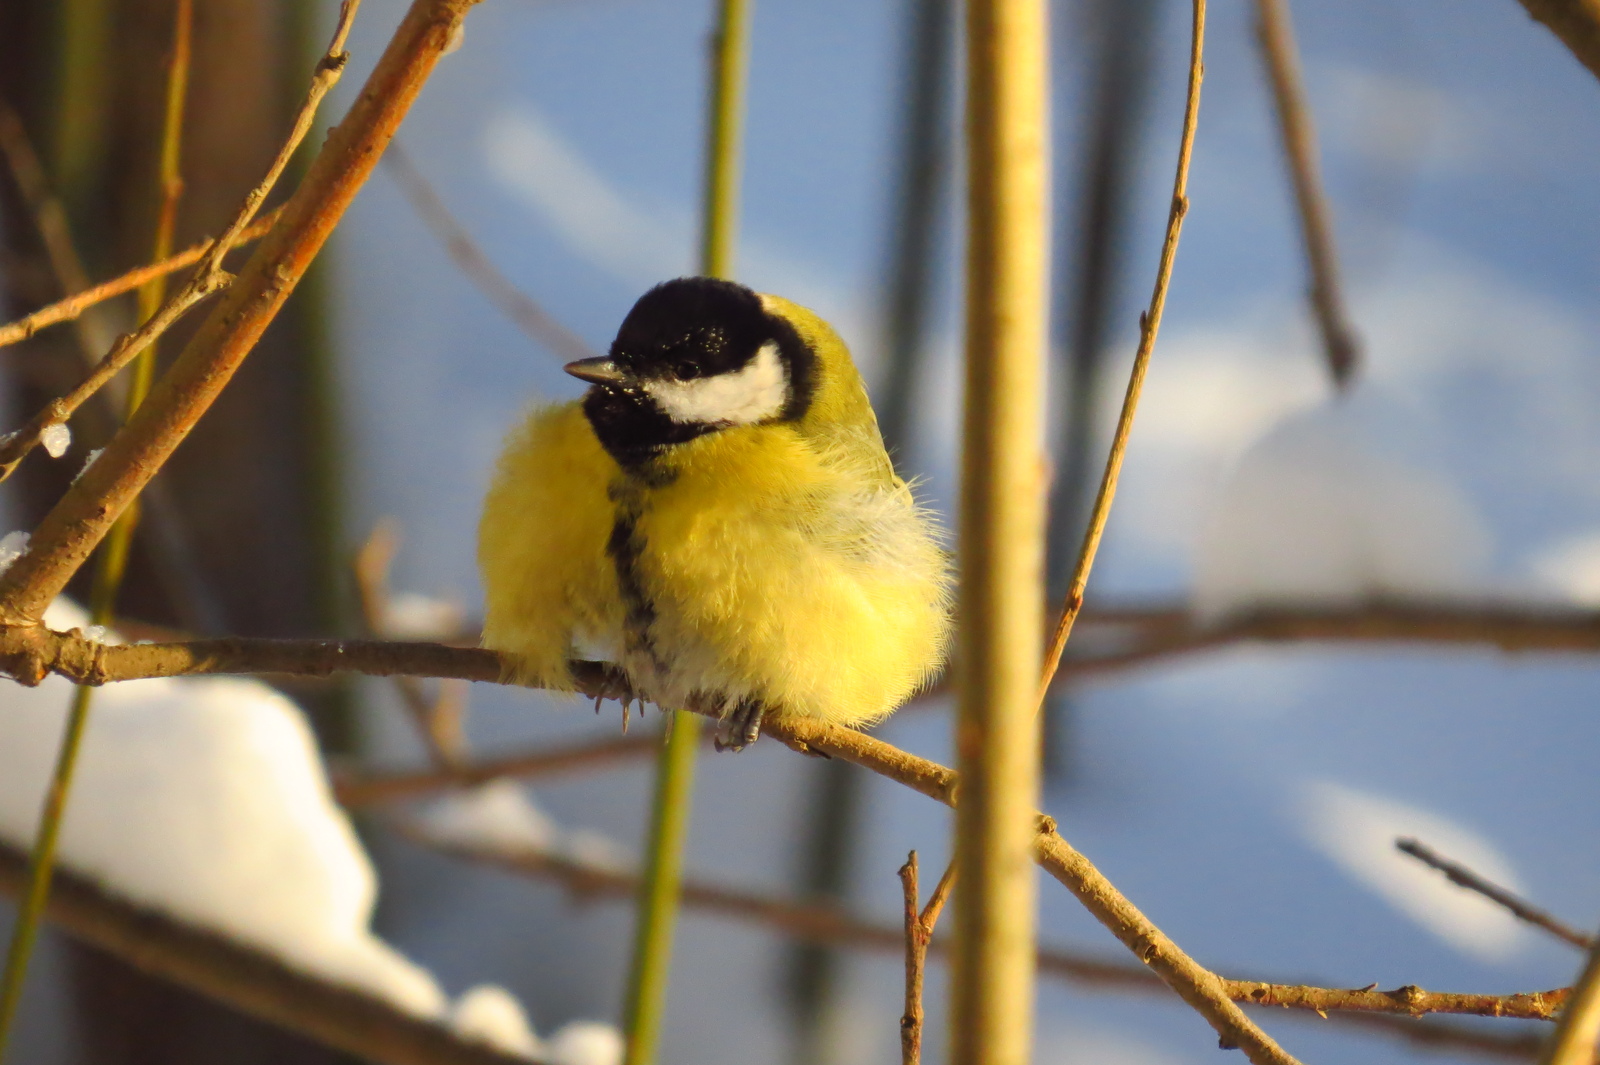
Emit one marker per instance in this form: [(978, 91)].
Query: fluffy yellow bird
[(718, 518)]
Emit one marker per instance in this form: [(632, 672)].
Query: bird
[(717, 518)]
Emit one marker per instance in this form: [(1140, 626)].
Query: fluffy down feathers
[(781, 561)]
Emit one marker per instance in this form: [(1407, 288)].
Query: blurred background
[(1245, 796)]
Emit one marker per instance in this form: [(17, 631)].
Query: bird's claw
[(740, 727)]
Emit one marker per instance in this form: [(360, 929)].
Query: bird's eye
[(686, 370)]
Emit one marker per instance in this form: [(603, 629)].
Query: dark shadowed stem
[(113, 559), (1461, 876), (1149, 326), (250, 979), (1119, 50), (1275, 31), (72, 530)]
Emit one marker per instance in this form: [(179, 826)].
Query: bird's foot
[(741, 726)]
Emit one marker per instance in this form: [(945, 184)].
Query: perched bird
[(718, 518)]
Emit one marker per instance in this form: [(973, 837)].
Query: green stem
[(730, 61), (659, 891), (112, 562)]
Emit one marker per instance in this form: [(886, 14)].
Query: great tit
[(717, 517)]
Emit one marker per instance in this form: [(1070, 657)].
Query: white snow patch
[(498, 814), (13, 545), (1325, 510), (1357, 831), (490, 1014), (1571, 568), (410, 616), (206, 799), (596, 849), (56, 439), (86, 464), (585, 1043)]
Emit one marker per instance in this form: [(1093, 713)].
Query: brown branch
[(247, 978), (368, 789), (436, 721), (69, 309), (1576, 22), (824, 923), (28, 653), (1578, 1027), (1149, 326), (918, 934), (209, 279), (77, 523), (534, 321), (1461, 876), (916, 959), (1275, 32)]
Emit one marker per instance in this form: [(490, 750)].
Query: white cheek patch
[(753, 394)]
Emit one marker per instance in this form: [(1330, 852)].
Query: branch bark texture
[(83, 516)]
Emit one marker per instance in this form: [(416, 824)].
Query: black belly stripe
[(624, 547)]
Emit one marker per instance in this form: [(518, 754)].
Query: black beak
[(598, 370)]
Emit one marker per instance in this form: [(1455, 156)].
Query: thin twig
[(69, 309), (369, 788), (437, 721), (1149, 326), (1275, 32), (538, 324), (207, 280), (1461, 876), (113, 558), (77, 523), (916, 959), (50, 221), (830, 923)]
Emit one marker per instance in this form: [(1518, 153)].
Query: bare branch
[(535, 322), (1461, 876), (209, 279), (1149, 326), (368, 789), (826, 923), (68, 309), (916, 959), (1275, 31), (1576, 22), (437, 721), (77, 523)]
